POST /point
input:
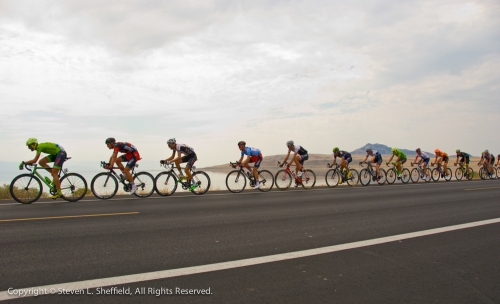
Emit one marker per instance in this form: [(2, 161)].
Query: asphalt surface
[(43, 245)]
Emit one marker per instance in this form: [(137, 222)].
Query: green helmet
[(31, 141), (394, 149), (336, 149), (458, 151)]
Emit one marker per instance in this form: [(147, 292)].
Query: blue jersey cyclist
[(346, 159), (424, 159), (185, 154), (130, 156), (56, 154), (375, 157), (253, 156)]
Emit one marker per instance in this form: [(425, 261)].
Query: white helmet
[(368, 149), (171, 141), (289, 143)]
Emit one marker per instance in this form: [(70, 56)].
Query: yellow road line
[(481, 188), (67, 216)]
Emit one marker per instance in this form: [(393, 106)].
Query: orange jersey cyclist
[(253, 156), (131, 157), (56, 154), (375, 157), (441, 158), (189, 157), (299, 156)]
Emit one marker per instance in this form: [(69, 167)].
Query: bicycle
[(368, 174), (105, 184), (166, 182), (335, 176), (27, 188), (392, 174), (438, 173), (236, 180), (417, 173), (284, 177), (484, 172), (462, 171)]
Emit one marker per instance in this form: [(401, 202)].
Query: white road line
[(148, 276)]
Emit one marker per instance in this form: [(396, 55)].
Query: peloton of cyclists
[(375, 157), (189, 157), (424, 158), (401, 159), (253, 156), (131, 157), (56, 155)]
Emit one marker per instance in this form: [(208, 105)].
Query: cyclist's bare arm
[(392, 156), (171, 157), (34, 160), (286, 157), (112, 159)]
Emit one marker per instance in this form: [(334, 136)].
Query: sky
[(211, 73)]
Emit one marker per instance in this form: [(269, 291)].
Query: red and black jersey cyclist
[(131, 157), (253, 156), (189, 157)]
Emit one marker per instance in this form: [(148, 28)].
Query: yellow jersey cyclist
[(441, 158), (253, 156), (56, 155), (424, 158), (488, 160), (346, 159), (375, 157), (299, 157), (189, 157), (462, 158), (401, 159), (131, 157)]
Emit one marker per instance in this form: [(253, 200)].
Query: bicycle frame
[(297, 179), (250, 176), (33, 169), (170, 169), (121, 178)]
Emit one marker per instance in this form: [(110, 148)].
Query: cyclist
[(424, 157), (189, 157), (464, 157), (498, 160), (376, 157), (401, 159), (441, 157), (131, 156), (253, 156), (299, 157), (488, 160), (346, 159), (56, 155)]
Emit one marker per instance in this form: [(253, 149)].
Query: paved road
[(50, 243)]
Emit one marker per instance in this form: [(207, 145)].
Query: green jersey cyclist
[(56, 155), (401, 159)]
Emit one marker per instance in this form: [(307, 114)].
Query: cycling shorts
[(303, 158), (446, 159), (130, 158), (377, 158), (403, 160), (348, 159), (426, 161), (492, 161), (190, 159), (58, 159), (257, 159), (465, 159)]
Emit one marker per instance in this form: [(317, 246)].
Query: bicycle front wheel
[(145, 184), (236, 181), (202, 180), (436, 175), (415, 175), (332, 178), (365, 177), (104, 185), (266, 180), (405, 176), (391, 176), (482, 174), (165, 183), (73, 187), (26, 189), (283, 180), (459, 174), (383, 177), (308, 179), (353, 178)]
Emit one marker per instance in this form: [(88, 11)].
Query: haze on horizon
[(210, 73)]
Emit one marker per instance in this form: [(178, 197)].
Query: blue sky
[(210, 73)]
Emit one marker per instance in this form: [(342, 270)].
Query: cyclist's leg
[(59, 160), (130, 160), (190, 160), (43, 162), (445, 165), (297, 160), (302, 159), (343, 164), (378, 160), (398, 165), (257, 161), (246, 161)]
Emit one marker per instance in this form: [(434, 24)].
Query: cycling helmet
[(368, 149), (31, 141), (486, 152), (458, 151), (110, 140), (394, 149), (336, 149), (171, 141), (418, 150), (437, 151), (242, 143), (289, 143)]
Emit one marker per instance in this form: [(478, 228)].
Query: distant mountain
[(383, 149)]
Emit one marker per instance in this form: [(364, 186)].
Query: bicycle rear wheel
[(391, 176), (354, 178), (365, 177), (165, 183), (236, 181), (145, 184), (283, 180), (203, 182), (266, 180), (26, 189), (459, 173), (470, 174), (405, 176), (332, 178), (73, 187), (308, 179), (104, 185), (383, 177)]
